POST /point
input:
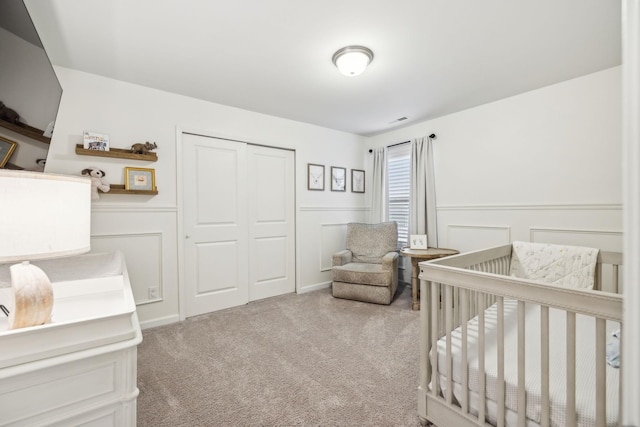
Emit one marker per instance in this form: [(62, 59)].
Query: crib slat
[(464, 365), (482, 386), (601, 375), (571, 369), (500, 385), (449, 327), (435, 334), (544, 358), (522, 398), (614, 279)]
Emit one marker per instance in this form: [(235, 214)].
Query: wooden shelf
[(27, 131), (118, 153), (119, 189)]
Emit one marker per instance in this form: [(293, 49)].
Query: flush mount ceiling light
[(352, 60)]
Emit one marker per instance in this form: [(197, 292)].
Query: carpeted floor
[(293, 360)]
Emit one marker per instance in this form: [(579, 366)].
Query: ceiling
[(432, 57)]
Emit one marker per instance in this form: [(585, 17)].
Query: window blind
[(399, 188)]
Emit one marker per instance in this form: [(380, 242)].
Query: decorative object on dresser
[(338, 178), (28, 234), (97, 181), (143, 148), (7, 148), (357, 181), (315, 177)]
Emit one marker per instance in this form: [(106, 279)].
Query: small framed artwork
[(7, 147), (139, 179), (95, 141), (418, 241), (315, 177), (338, 179), (357, 181)]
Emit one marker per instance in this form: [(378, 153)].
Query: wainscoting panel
[(602, 239), (143, 255), (333, 238), (467, 238)]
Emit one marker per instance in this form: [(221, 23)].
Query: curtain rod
[(432, 136)]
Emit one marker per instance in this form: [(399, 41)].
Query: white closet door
[(271, 222), (215, 224)]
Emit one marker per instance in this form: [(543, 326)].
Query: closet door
[(215, 224), (271, 222)]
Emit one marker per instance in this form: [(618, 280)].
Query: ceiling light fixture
[(352, 60)]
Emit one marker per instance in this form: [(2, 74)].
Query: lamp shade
[(352, 60), (43, 215)]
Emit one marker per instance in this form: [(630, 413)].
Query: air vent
[(401, 119)]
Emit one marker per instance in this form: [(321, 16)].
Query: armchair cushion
[(363, 274)]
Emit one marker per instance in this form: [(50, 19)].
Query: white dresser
[(80, 369)]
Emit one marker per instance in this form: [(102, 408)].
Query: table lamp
[(42, 216)]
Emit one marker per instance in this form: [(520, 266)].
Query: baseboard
[(161, 321), (311, 288)]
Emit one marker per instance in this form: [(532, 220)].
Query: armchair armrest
[(341, 258), (389, 260)]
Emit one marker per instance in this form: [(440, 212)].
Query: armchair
[(368, 269)]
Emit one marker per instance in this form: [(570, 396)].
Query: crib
[(507, 351)]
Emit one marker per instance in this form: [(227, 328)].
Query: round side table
[(418, 255)]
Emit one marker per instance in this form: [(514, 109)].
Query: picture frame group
[(338, 178)]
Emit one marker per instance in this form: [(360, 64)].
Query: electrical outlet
[(153, 292)]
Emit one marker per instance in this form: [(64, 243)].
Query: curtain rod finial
[(370, 150), (432, 136)]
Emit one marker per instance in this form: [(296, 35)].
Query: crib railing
[(458, 288)]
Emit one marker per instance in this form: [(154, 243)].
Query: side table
[(418, 255)]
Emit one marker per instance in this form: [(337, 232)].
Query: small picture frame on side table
[(357, 181), (7, 148), (139, 179), (418, 241), (315, 177), (338, 179)]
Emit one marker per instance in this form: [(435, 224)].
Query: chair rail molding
[(334, 208), (532, 206)]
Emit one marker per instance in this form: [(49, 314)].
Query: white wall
[(540, 166), (145, 227)]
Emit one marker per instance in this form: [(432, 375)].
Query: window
[(399, 188)]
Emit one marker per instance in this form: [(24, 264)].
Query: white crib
[(500, 350)]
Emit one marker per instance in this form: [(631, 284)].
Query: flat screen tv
[(30, 92)]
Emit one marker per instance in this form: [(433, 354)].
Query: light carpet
[(293, 360)]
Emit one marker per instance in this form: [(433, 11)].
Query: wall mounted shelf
[(118, 153), (27, 131), (119, 189)]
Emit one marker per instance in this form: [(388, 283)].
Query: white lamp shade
[(43, 215), (352, 60)]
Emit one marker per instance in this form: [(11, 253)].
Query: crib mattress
[(585, 366)]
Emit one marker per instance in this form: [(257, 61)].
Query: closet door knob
[(186, 236)]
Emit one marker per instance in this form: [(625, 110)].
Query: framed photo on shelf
[(315, 177), (338, 179), (95, 141), (7, 147), (418, 241), (139, 179), (357, 181)]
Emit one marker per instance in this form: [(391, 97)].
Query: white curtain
[(379, 211), (422, 211)]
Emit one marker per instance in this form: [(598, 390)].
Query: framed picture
[(338, 179), (139, 179), (95, 141), (7, 148), (418, 241), (357, 181), (315, 177)]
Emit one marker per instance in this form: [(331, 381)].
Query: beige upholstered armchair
[(368, 269)]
